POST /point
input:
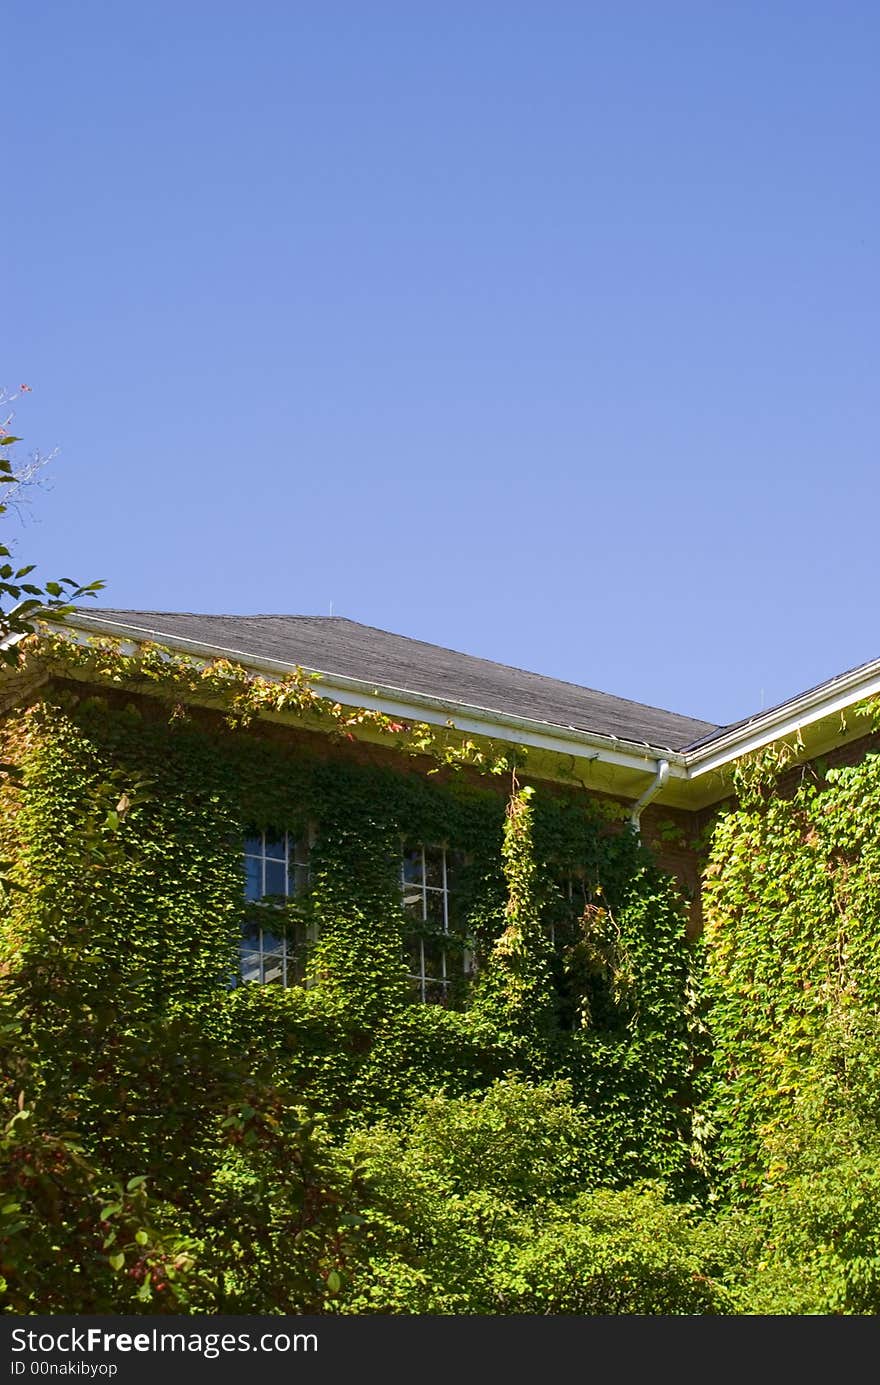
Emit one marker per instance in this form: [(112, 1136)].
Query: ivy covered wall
[(792, 945), (125, 827), (187, 1139)]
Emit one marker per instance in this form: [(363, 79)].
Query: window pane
[(436, 993), (434, 909), (250, 966), (412, 901), (412, 865), (453, 913), (428, 898), (253, 878), (275, 868), (434, 866), (275, 877), (273, 969), (435, 960), (250, 936), (271, 942), (454, 866)]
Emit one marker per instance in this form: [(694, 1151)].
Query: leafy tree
[(27, 598), (479, 1204)]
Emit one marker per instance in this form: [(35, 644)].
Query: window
[(583, 940), (428, 881), (564, 919), (273, 950)]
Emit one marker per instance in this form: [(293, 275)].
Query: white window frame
[(294, 884), (409, 888)]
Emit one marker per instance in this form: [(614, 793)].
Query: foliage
[(791, 904), (535, 1147), (123, 912), (816, 1225), (244, 695), (516, 993), (19, 619), (474, 1207), (615, 1252), (71, 1237)]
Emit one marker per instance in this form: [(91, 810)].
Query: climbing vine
[(244, 695), (123, 828), (792, 947)]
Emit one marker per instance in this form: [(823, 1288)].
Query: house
[(332, 690)]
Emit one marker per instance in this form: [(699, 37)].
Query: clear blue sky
[(546, 331)]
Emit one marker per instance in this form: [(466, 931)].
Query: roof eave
[(404, 702), (788, 719), (712, 756)]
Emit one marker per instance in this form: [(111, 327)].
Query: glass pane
[(435, 961), (253, 878), (273, 969), (276, 847), (271, 942), (454, 867), (412, 865), (250, 966), (434, 866), (275, 877), (412, 901), (436, 993), (434, 909), (454, 913), (250, 936), (253, 845)]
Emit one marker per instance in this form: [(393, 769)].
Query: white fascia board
[(786, 720), (479, 721), (409, 705)]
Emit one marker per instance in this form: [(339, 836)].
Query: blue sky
[(545, 331)]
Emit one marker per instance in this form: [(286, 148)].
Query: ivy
[(124, 828), (516, 994), (244, 695), (791, 905)]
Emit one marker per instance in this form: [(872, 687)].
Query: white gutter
[(649, 795), (786, 720), (720, 749), (402, 702)]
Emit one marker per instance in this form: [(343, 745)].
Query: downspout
[(649, 795)]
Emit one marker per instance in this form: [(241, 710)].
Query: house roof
[(825, 689), (334, 645)]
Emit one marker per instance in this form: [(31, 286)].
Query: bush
[(612, 1252), (477, 1205)]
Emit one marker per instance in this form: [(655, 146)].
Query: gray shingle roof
[(335, 645)]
